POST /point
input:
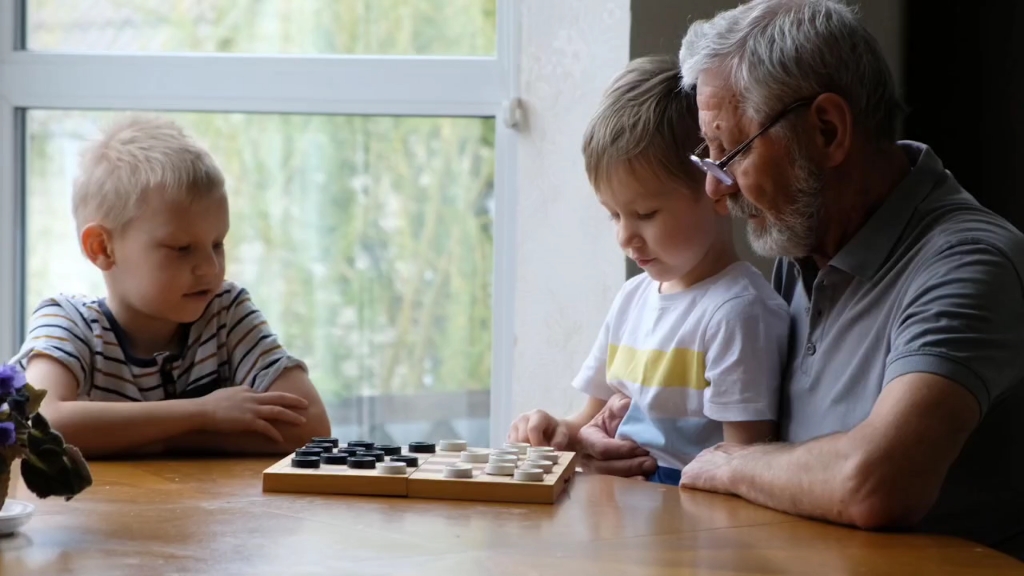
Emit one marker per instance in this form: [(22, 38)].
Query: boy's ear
[(97, 245)]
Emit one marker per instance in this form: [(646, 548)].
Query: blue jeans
[(665, 475)]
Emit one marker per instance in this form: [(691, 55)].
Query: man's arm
[(885, 472), (292, 381)]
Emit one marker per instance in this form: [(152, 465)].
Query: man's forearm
[(809, 479), (122, 428)]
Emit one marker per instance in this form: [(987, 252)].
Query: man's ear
[(833, 130), (98, 246)]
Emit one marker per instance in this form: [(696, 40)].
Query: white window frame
[(342, 85)]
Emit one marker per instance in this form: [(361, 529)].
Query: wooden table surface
[(210, 517)]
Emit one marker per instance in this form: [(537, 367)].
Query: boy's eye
[(647, 215), (181, 249)]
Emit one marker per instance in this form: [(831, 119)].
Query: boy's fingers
[(280, 414), (536, 430), (560, 439), (283, 399), (263, 427)]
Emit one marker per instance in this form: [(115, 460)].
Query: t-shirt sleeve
[(746, 343), (60, 331), (256, 355), (592, 378), (963, 319)]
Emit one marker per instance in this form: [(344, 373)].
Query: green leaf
[(35, 399)]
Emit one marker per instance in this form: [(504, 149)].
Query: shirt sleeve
[(256, 355), (592, 378), (963, 319), (746, 343), (61, 332)]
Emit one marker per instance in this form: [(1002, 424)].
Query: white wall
[(568, 266)]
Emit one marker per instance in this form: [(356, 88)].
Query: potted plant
[(49, 467)]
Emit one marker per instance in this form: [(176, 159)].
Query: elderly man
[(902, 402)]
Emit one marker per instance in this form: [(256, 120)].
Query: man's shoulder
[(950, 224)]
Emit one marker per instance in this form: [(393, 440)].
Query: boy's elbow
[(874, 499)]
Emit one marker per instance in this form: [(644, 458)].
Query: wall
[(568, 266), (964, 65), (658, 27)]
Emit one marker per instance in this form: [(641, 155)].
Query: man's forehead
[(718, 104)]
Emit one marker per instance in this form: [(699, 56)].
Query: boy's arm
[(292, 381), (746, 345), (750, 432), (101, 429), (106, 428)]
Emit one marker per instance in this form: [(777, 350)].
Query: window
[(368, 172)]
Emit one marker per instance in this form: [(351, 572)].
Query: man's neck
[(858, 189), (146, 335)]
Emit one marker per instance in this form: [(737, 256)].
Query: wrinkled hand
[(603, 453), (241, 409), (709, 471), (538, 428)]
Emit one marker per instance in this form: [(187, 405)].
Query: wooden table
[(210, 517)]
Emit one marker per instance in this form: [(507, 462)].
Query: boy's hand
[(538, 428), (240, 409)]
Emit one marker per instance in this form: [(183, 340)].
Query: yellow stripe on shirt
[(676, 368)]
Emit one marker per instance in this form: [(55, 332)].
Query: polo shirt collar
[(871, 246)]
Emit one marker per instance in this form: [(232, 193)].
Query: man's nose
[(717, 189)]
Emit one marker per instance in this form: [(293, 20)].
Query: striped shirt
[(231, 344)]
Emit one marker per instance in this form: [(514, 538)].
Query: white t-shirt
[(691, 360)]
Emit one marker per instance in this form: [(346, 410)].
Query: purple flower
[(11, 380), (7, 434)]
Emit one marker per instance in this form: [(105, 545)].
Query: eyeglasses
[(717, 169)]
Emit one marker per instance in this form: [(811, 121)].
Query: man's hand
[(538, 428), (710, 469), (241, 409), (604, 454)]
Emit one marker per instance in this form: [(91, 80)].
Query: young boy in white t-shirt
[(699, 339)]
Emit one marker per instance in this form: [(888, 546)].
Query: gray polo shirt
[(932, 283)]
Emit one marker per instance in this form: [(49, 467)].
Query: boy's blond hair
[(645, 121), (136, 156)]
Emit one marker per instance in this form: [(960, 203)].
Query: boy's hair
[(136, 156), (645, 121)]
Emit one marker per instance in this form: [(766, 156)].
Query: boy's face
[(169, 260), (665, 227)]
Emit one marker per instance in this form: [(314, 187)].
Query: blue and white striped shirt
[(231, 344)]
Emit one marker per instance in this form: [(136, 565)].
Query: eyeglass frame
[(717, 169)]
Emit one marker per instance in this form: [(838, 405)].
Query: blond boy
[(173, 357), (697, 342)]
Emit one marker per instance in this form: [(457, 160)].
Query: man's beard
[(792, 232)]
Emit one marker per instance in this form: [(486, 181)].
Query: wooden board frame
[(422, 483)]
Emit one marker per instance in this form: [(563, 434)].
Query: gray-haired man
[(902, 397)]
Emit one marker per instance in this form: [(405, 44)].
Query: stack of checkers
[(357, 454)]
